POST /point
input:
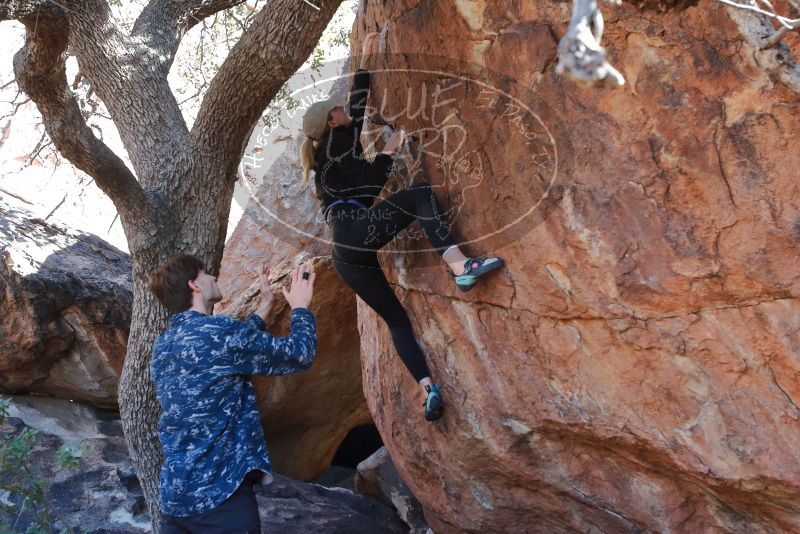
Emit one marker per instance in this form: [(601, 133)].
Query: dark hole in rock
[(357, 445)]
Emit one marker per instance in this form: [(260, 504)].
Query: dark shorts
[(238, 514)]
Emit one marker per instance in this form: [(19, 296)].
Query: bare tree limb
[(786, 23), (163, 23), (580, 56), (789, 24), (137, 96), (40, 71), (779, 35), (12, 194), (274, 46), (754, 23), (16, 105), (41, 145)]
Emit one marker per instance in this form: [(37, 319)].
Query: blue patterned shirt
[(210, 429)]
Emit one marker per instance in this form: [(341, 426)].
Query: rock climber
[(210, 429), (347, 184)]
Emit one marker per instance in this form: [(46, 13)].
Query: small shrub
[(19, 479)]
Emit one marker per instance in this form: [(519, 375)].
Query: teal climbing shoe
[(434, 407), (474, 268)]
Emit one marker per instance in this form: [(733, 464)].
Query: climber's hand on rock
[(267, 297), (369, 47), (394, 142), (302, 289)]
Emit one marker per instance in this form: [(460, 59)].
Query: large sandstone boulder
[(65, 301), (282, 223), (636, 366)]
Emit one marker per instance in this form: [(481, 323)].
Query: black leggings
[(358, 234)]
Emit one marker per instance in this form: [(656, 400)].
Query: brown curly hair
[(170, 282)]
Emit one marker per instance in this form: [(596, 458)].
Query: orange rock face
[(65, 305), (636, 365)]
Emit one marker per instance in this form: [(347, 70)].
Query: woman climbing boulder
[(347, 185)]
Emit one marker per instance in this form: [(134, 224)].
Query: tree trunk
[(180, 197), (137, 402), (195, 221)]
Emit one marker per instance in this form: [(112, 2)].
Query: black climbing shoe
[(475, 268), (434, 407)]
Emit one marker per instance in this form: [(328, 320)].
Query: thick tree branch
[(40, 71), (136, 94), (277, 43), (163, 23)]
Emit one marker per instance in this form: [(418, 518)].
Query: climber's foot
[(434, 407), (475, 268)]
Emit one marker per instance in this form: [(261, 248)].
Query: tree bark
[(178, 196)]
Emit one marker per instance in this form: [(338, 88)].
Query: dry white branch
[(754, 24), (580, 55), (778, 35), (786, 23)]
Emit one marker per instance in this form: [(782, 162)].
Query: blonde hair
[(307, 150)]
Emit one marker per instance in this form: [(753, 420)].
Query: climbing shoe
[(434, 407), (474, 268)]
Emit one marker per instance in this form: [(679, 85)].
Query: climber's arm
[(359, 94), (252, 351)]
